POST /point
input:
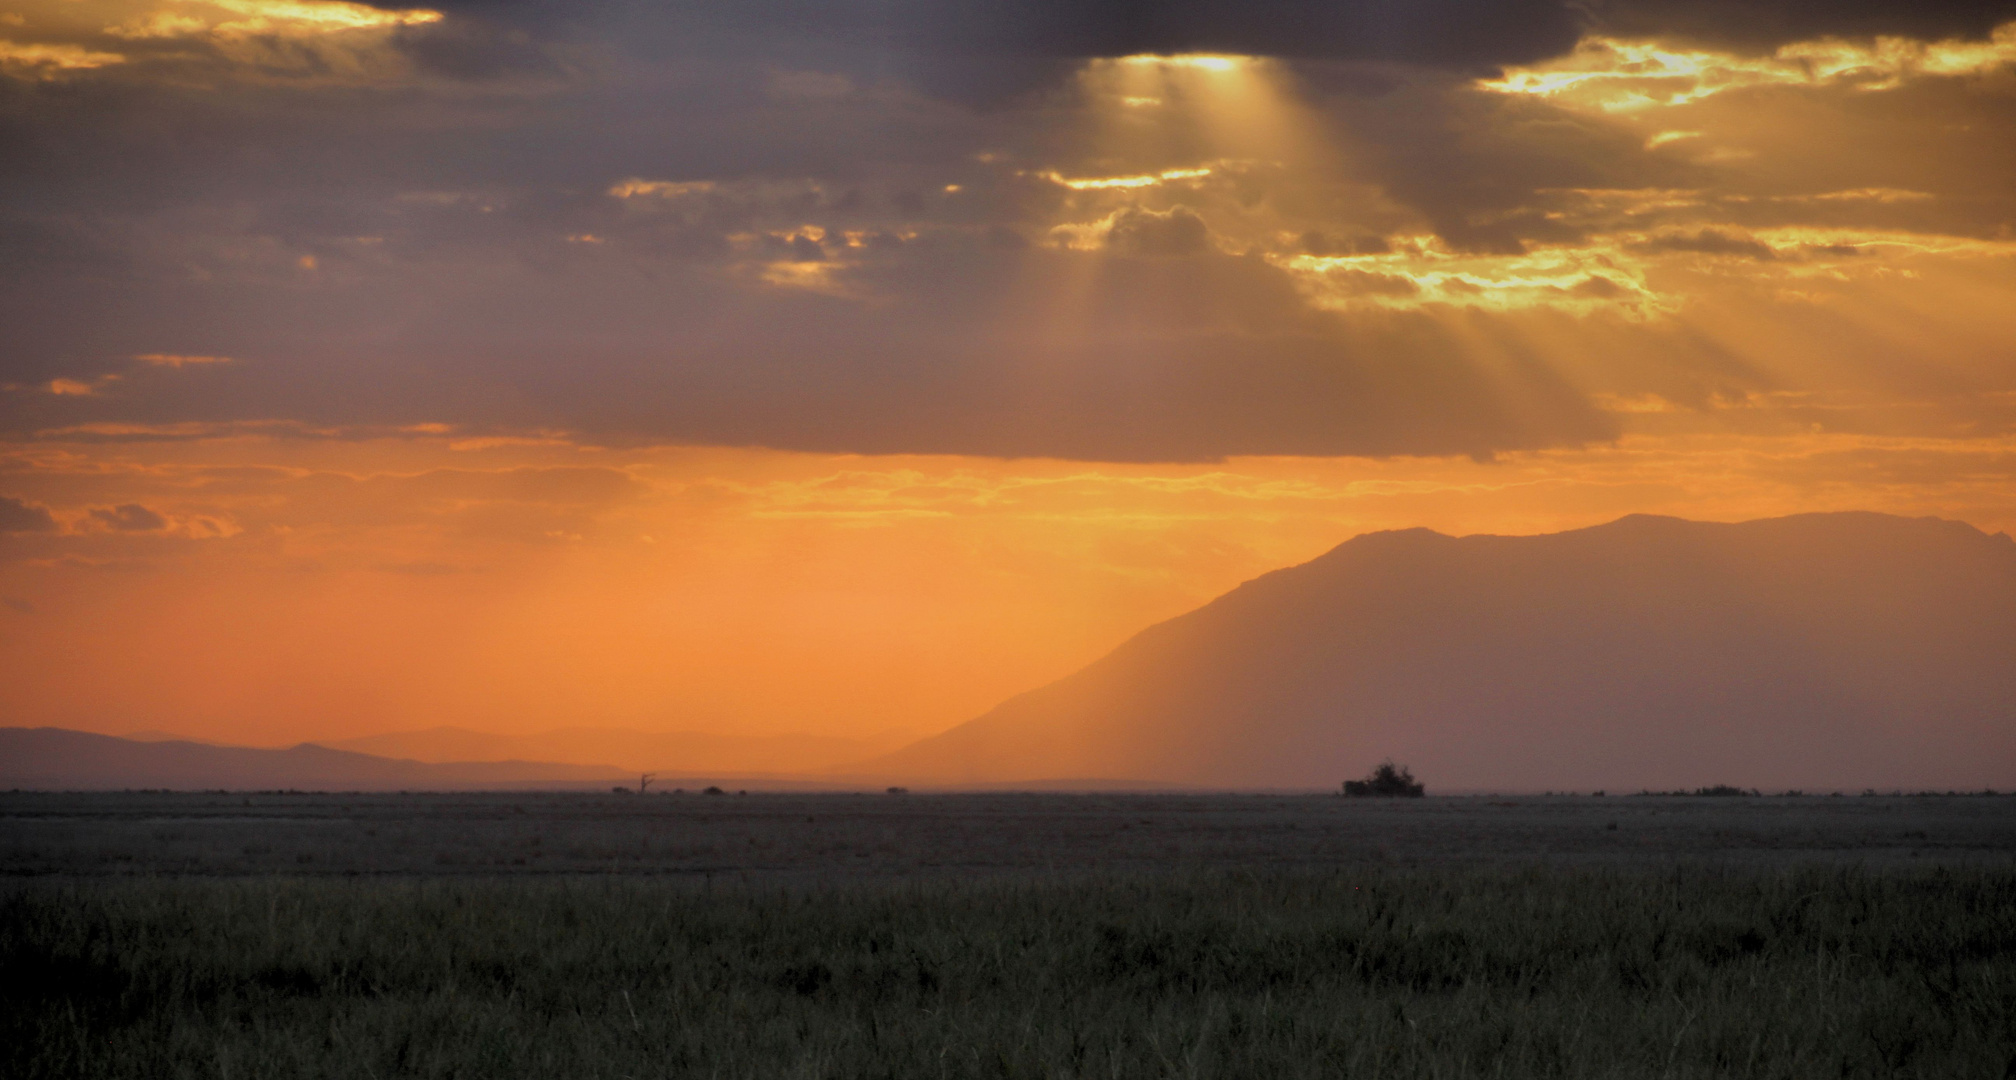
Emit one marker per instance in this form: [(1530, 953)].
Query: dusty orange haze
[(300, 583), (748, 590)]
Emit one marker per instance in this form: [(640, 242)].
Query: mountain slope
[(55, 758), (1822, 650)]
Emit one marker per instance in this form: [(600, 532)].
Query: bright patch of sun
[(1101, 183), (1198, 61), (324, 14), (663, 189), (790, 274)]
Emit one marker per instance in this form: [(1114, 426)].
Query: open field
[(764, 936), (828, 838), (1379, 972)]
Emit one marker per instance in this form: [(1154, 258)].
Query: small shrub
[(1387, 781)]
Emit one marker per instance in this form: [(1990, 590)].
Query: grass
[(1448, 972)]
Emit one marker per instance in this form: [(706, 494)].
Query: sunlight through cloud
[(1615, 75)]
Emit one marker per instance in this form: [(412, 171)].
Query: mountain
[(151, 735), (55, 758), (1821, 651), (678, 751)]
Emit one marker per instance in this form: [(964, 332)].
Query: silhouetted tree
[(1388, 780)]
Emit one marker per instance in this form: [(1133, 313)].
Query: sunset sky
[(846, 367)]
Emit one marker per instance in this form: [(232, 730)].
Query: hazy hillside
[(676, 751), (1821, 651), (53, 758)]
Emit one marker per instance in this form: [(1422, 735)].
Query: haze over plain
[(1822, 652), (846, 368)]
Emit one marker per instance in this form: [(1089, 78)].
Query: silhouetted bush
[(1388, 781)]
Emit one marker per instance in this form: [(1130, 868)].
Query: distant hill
[(55, 758), (1819, 651), (169, 736), (684, 752)]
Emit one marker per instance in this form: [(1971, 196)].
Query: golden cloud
[(79, 387), (661, 189), (1614, 75), (326, 41), (1103, 183), (240, 18), (41, 61)]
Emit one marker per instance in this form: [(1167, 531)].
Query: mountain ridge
[(1613, 656), (60, 758)]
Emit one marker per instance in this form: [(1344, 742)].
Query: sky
[(847, 367)]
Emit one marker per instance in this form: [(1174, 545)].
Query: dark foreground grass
[(1694, 972)]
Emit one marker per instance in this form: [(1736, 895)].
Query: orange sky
[(392, 584), (1158, 326)]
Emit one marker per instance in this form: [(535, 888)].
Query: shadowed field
[(1451, 972), (844, 936), (829, 838)]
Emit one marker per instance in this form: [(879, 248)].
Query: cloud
[(326, 42), (1458, 33), (772, 225), (1709, 242), (1765, 23), (46, 61), (17, 516), (177, 360), (130, 517), (1619, 75), (1173, 232)]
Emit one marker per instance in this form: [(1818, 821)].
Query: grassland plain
[(1845, 937), (1687, 972), (826, 838)]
